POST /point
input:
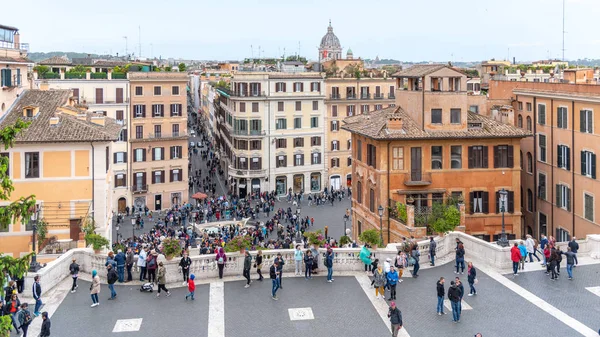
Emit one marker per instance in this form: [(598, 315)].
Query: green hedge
[(74, 75), (119, 76), (99, 75), (50, 76)]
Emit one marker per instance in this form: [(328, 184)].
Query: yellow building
[(63, 159)]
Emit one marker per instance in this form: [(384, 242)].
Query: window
[(542, 186), (520, 121), (139, 132), (510, 202), (436, 116), (256, 163), (359, 192), (298, 160), (314, 122), (298, 86), (478, 156), (529, 162), (158, 153), (541, 114), (350, 110), (157, 90), (120, 180), (175, 130), (175, 90), (299, 142), (349, 144), (176, 152), (378, 106), (474, 108), (315, 105), (298, 106), (588, 164), (335, 145), (529, 106), (397, 158), (242, 163), (455, 156), (254, 106), (315, 86), (479, 202), (359, 149), (335, 126), (140, 155), (280, 87), (118, 157), (563, 160), (529, 200), (364, 108), (371, 155), (335, 162), (119, 116), (99, 95), (255, 127), (241, 144), (542, 144), (529, 127), (297, 122), (315, 141), (255, 144), (561, 117), (586, 121), (32, 164), (520, 105), (281, 143), (436, 158), (281, 123), (176, 175), (562, 235), (139, 111), (334, 112), (588, 207), (563, 197), (455, 116), (158, 110), (139, 90), (503, 156), (255, 89), (280, 106), (316, 158), (281, 161), (123, 135), (157, 131), (158, 177), (372, 200), (242, 107)]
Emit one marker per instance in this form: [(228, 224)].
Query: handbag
[(411, 261), (476, 281)]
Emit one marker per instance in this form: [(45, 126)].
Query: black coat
[(395, 316), (472, 275), (454, 294), (45, 332), (273, 272), (440, 289)]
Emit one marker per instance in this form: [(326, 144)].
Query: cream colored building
[(14, 67)]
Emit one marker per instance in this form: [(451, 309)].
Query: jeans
[(416, 267), (186, 273), (246, 274), (74, 284), (191, 295), (38, 305), (24, 328), (94, 298), (151, 275), (455, 311), (142, 273), (221, 266), (329, 273), (531, 255), (472, 288), (308, 270), (432, 256), (460, 262), (15, 321), (275, 286), (393, 291), (440, 304), (121, 273), (129, 276), (515, 267), (570, 270), (113, 293), (298, 267)]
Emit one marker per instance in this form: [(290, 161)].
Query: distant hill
[(38, 56)]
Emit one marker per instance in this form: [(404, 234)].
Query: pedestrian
[(395, 316), (221, 259), (110, 259), (142, 263), (298, 258), (531, 249), (151, 265), (523, 251), (379, 282), (11, 308), (37, 295), (471, 278), (275, 279), (515, 256), (95, 288), (45, 332), (454, 297), (460, 258), (24, 318), (120, 260), (461, 290), (441, 292), (574, 248), (74, 270), (185, 264), (543, 246), (191, 287), (247, 265), (553, 261), (416, 255), (392, 280), (258, 264), (387, 264), (129, 263), (365, 257), (280, 264), (308, 263), (571, 261), (111, 278), (329, 264), (162, 279), (432, 248)]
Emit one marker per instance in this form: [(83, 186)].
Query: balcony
[(164, 135), (249, 132), (15, 46), (391, 96), (351, 96), (380, 96), (246, 173), (335, 96), (248, 94), (139, 188), (418, 179), (365, 96)]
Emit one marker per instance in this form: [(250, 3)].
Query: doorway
[(298, 183), (74, 229), (122, 204), (334, 182), (415, 164), (349, 180), (157, 202)]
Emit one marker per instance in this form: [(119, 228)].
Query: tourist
[(95, 288), (142, 263), (531, 248), (546, 258), (415, 254), (37, 295), (74, 270), (162, 279), (308, 263), (471, 278), (515, 256), (523, 251), (543, 246), (400, 264), (221, 259), (110, 259), (460, 258), (12, 306), (191, 287), (111, 278), (129, 263), (280, 264), (247, 265), (45, 332), (151, 265), (440, 296), (395, 318), (24, 319), (432, 248), (365, 257), (258, 265), (185, 264), (298, 258), (461, 290), (574, 248), (454, 297), (571, 261), (329, 264), (379, 282), (386, 269), (392, 280), (274, 278), (120, 260)]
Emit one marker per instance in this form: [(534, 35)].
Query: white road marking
[(216, 310), (301, 314), (593, 290), (380, 305), (465, 305), (128, 325)]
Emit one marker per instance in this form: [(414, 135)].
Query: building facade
[(330, 47), (14, 67), (158, 137)]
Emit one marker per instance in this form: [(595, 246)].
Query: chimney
[(98, 120), (54, 120), (394, 123), (17, 39)]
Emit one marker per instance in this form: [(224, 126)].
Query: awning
[(242, 186), (255, 186)]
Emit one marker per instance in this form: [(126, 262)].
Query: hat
[(388, 259), (192, 277), (393, 304)]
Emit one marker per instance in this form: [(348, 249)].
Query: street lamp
[(345, 219), (298, 236), (34, 266), (503, 242), (380, 210)]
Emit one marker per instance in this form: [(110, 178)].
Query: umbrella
[(199, 195)]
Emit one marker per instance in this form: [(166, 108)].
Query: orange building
[(431, 147)]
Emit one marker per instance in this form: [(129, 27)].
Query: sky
[(411, 31)]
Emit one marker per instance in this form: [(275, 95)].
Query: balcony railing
[(244, 172), (351, 96), (163, 135), (249, 132), (139, 188), (365, 96), (50, 76), (380, 96), (335, 96), (391, 96), (418, 179), (98, 75), (12, 45), (248, 94)]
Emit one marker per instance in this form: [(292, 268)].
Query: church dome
[(330, 40)]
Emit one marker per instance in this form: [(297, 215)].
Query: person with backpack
[(24, 318), (395, 318), (111, 278), (185, 264), (151, 265), (432, 248), (162, 279), (221, 259), (74, 270), (95, 288), (329, 265)]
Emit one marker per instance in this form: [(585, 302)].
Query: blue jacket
[(364, 255), (110, 261), (523, 250), (120, 259), (329, 260), (392, 277), (543, 243)]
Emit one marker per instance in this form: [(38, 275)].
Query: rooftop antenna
[(252, 53), (139, 41), (563, 33), (125, 37), (298, 51)]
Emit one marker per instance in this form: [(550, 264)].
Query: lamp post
[(345, 219), (34, 266), (380, 210), (503, 242), (298, 236)]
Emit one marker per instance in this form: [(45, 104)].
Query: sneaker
[(515, 274), (168, 293), (247, 286), (332, 280), (275, 298), (443, 313), (461, 273), (72, 291), (399, 281), (470, 295), (158, 295), (455, 272), (570, 278), (184, 283), (186, 297), (329, 281), (111, 298), (439, 314), (76, 286)]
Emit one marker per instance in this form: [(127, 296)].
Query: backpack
[(26, 318), (220, 260), (151, 263)]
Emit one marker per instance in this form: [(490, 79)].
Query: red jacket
[(515, 254), (191, 285)]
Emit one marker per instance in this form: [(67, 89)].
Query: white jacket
[(142, 259), (529, 245), (386, 267)]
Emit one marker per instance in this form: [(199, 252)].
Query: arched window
[(529, 163), (529, 200), (520, 121), (528, 123)]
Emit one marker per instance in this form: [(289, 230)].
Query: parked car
[(192, 144)]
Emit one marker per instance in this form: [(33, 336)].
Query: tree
[(181, 67), (78, 69), (447, 220), (371, 236), (168, 68), (42, 70)]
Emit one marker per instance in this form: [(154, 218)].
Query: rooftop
[(70, 128), (15, 59), (158, 75), (375, 125), (419, 70)]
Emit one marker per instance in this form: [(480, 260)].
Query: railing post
[(410, 215)]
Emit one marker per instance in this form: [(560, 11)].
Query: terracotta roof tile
[(62, 60), (15, 59), (419, 70)]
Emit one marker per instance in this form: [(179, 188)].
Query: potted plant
[(372, 237), (238, 244), (344, 240), (315, 238), (96, 241), (171, 247)]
